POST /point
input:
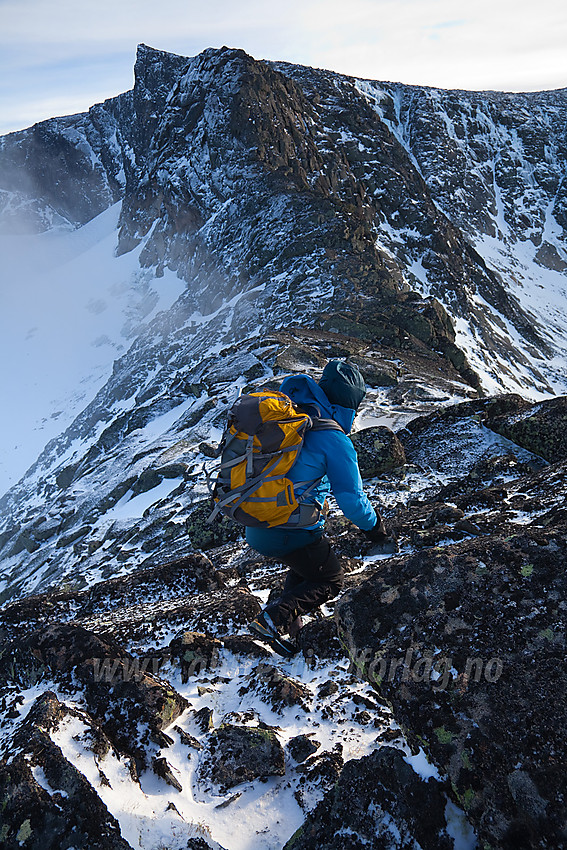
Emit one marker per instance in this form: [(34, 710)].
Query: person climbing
[(328, 459)]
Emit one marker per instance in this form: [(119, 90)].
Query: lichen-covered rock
[(467, 644), (277, 688), (541, 428), (318, 639), (46, 803), (195, 652), (235, 754), (131, 705), (378, 450), (377, 801), (207, 535)]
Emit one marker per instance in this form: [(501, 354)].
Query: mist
[(68, 308)]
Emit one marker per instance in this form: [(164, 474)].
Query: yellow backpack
[(263, 438)]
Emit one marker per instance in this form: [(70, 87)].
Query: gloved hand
[(378, 533)]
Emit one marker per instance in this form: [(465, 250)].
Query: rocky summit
[(266, 218)]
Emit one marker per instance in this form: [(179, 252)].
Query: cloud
[(62, 56)]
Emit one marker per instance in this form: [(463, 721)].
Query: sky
[(61, 56)]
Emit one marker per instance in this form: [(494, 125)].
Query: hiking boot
[(264, 626), (264, 629)]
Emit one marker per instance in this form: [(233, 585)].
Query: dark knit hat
[(343, 384)]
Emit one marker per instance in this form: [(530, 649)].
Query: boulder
[(195, 652), (467, 644), (163, 769), (216, 612), (302, 746), (245, 645), (276, 688), (541, 428), (235, 754), (377, 801), (460, 445), (376, 371), (147, 480), (378, 450), (318, 639), (179, 578)]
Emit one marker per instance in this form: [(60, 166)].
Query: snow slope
[(69, 308)]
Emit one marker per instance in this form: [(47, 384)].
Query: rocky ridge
[(311, 216), (129, 497), (151, 683), (299, 206)]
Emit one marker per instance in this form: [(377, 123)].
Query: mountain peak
[(156, 69)]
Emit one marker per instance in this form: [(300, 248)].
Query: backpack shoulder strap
[(320, 424)]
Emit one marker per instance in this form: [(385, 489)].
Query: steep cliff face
[(467, 191), (501, 168), (285, 198), (65, 171), (242, 178), (494, 163)]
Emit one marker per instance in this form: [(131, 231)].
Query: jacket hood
[(307, 393), (343, 384)]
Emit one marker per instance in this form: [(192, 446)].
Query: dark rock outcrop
[(466, 643), (194, 652), (378, 450), (378, 801), (184, 577), (278, 688), (236, 754), (45, 801), (130, 703), (301, 747), (541, 428)]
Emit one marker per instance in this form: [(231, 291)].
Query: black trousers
[(315, 576)]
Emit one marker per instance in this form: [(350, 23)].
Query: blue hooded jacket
[(328, 455)]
